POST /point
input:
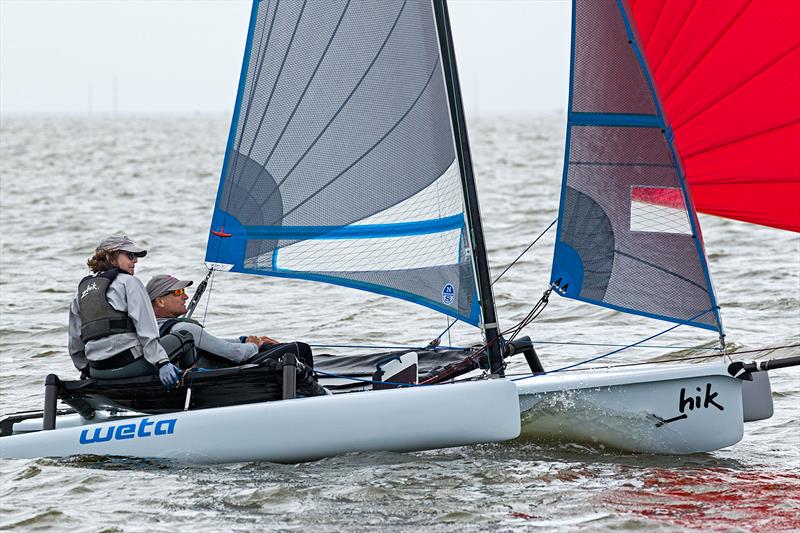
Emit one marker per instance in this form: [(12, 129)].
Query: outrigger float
[(348, 162)]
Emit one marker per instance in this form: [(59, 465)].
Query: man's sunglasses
[(130, 255), (176, 292)]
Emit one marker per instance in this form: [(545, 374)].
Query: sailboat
[(348, 162)]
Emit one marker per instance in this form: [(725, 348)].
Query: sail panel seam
[(365, 154), (338, 111), (277, 79), (308, 84)]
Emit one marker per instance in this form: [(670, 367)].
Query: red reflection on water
[(714, 499)]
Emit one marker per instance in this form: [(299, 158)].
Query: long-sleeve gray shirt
[(230, 349), (126, 293)]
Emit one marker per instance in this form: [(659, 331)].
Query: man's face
[(172, 304)]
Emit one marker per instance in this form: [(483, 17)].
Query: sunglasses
[(176, 292), (129, 255)]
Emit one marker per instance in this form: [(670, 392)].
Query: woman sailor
[(112, 329)]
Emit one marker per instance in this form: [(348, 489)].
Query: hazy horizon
[(166, 57)]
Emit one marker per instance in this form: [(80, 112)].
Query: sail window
[(659, 210), (379, 254)]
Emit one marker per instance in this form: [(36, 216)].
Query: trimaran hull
[(665, 409)]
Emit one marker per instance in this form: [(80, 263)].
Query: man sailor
[(168, 296), (112, 328)]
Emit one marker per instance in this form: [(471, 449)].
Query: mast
[(485, 295)]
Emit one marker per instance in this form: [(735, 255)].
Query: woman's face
[(125, 261)]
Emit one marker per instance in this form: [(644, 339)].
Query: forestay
[(340, 165), (628, 236)]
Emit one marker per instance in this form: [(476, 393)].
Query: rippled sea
[(68, 181)]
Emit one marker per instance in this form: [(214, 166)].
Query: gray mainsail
[(341, 165)]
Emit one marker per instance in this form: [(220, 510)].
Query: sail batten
[(341, 166)]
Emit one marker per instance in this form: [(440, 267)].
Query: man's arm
[(235, 351)]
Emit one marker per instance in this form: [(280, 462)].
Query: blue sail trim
[(687, 197), (614, 119), (364, 231), (251, 28), (630, 311)]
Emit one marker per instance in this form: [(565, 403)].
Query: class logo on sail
[(448, 294)]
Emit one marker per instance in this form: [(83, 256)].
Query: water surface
[(68, 181)]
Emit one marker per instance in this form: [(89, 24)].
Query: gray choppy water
[(68, 181)]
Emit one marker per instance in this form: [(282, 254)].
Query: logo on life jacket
[(90, 288), (128, 431)]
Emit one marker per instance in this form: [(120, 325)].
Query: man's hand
[(261, 341), (254, 340)]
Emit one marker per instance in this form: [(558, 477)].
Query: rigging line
[(738, 352), (277, 79), (205, 311), (365, 154), (662, 269), (262, 49), (721, 97), (308, 84), (618, 350), (525, 250), (672, 361), (362, 380), (375, 346), (341, 107), (621, 365), (609, 345), (503, 272), (702, 55)]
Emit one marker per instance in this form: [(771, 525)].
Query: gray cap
[(120, 242), (164, 283)]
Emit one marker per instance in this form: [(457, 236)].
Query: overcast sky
[(168, 56)]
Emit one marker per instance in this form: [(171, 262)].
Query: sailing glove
[(169, 374)]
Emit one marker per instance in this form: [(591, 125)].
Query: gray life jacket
[(98, 318), (178, 344)]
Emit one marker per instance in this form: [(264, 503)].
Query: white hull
[(664, 409), (294, 430)]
